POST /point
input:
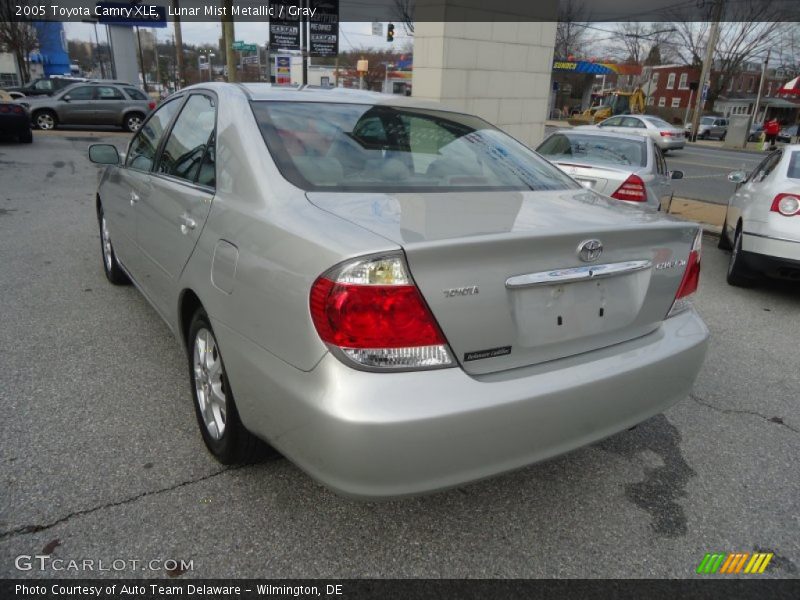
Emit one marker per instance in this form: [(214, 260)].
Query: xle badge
[(488, 353)]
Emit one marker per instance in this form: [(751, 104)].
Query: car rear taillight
[(632, 190), (371, 312), (4, 108), (691, 277), (151, 105), (667, 134), (17, 109), (786, 204)]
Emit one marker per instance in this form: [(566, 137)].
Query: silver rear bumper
[(373, 435)]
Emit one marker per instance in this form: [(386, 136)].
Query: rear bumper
[(373, 435), (771, 247), (13, 124), (671, 144)]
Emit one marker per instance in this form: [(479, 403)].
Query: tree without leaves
[(750, 29), (570, 30), (17, 37), (642, 43), (404, 9)]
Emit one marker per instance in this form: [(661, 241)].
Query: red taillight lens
[(666, 134), (151, 105), (373, 312), (17, 109), (786, 204), (4, 108), (632, 190), (691, 277)]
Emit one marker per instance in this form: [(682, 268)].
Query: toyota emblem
[(590, 250)]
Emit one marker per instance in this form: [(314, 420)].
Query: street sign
[(284, 33), (244, 47), (323, 28), (377, 28)]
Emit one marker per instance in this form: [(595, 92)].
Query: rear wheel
[(133, 121), (222, 430), (738, 274), (45, 120), (723, 243)]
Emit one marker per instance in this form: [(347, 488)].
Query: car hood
[(406, 218)]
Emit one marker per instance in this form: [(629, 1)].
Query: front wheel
[(111, 267), (222, 430), (738, 273)]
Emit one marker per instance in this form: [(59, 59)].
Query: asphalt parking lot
[(101, 458)]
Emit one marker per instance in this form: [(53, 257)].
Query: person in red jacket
[(771, 130)]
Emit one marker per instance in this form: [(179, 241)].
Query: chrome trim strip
[(771, 237), (559, 276)]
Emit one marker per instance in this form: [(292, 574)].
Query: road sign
[(377, 28), (323, 28)]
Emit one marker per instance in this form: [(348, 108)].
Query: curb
[(710, 216)]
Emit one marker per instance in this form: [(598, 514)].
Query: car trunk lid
[(502, 274)]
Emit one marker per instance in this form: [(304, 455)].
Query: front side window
[(594, 149), (84, 92), (142, 151), (632, 123), (108, 93), (357, 147), (612, 122), (190, 136)]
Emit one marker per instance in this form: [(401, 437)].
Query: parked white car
[(762, 224), (666, 136)]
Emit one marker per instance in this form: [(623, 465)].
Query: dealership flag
[(793, 87)]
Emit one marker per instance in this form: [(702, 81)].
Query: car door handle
[(134, 197), (187, 223)]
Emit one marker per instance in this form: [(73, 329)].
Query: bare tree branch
[(405, 12), (17, 37)]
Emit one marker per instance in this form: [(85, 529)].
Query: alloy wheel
[(209, 383), (108, 252), (45, 121)]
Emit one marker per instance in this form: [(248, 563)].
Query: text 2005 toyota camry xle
[(396, 297)]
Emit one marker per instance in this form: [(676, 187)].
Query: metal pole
[(707, 62), (158, 62), (760, 87), (99, 57), (179, 47), (229, 36), (141, 61), (304, 43)]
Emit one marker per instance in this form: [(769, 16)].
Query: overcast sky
[(353, 35)]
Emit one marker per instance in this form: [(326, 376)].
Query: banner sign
[(323, 26), (284, 30)]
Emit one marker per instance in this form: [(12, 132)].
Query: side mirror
[(65, 98), (104, 154), (737, 176), (676, 175)]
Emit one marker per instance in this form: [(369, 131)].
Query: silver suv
[(716, 127), (92, 103)]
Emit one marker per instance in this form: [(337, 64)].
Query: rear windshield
[(358, 147), (658, 122), (707, 120), (594, 149), (794, 166)]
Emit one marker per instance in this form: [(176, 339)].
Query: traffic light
[(390, 33)]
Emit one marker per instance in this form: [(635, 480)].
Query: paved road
[(100, 457), (706, 171)]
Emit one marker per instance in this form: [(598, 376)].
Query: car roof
[(268, 91), (634, 137)]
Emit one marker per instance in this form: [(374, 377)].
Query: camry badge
[(590, 250)]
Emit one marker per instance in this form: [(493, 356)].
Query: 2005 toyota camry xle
[(397, 297)]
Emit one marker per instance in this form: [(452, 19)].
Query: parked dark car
[(46, 86), (14, 119), (92, 103), (787, 133)]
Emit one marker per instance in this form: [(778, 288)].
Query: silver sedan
[(762, 223), (666, 136), (628, 167), (397, 297)]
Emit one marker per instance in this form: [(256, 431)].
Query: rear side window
[(794, 166), (135, 94), (594, 149), (142, 151), (108, 93), (189, 139), (378, 148), (84, 92)]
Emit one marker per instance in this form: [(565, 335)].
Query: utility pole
[(758, 97), (179, 46), (141, 61), (304, 43), (229, 37), (707, 64)]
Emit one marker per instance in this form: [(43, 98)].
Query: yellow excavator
[(612, 102)]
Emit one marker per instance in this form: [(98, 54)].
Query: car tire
[(26, 137), (704, 135), (722, 137), (724, 243), (222, 430), (111, 266), (133, 121), (45, 120), (738, 274)]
